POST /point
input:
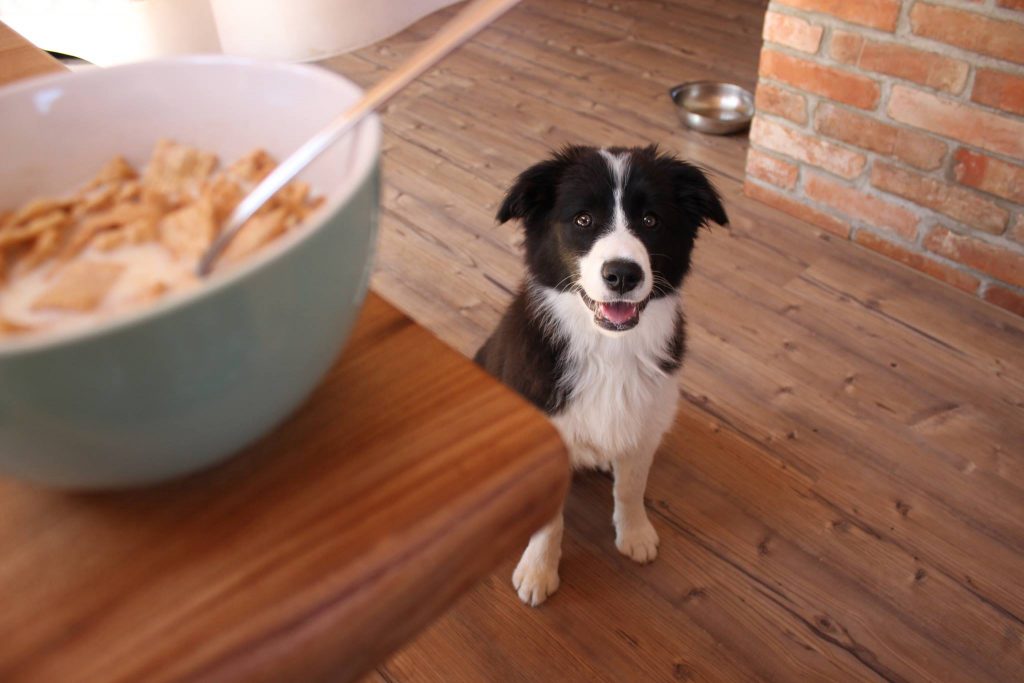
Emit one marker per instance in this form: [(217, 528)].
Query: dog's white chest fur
[(619, 397)]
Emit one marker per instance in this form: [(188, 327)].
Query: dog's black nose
[(621, 275)]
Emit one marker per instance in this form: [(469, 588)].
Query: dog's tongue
[(619, 311)]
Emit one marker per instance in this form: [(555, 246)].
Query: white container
[(107, 32)]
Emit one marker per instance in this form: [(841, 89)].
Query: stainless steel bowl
[(713, 107)]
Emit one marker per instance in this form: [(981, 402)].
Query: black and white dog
[(596, 336)]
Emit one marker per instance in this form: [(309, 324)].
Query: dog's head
[(616, 226)]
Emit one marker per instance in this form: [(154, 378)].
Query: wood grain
[(842, 497), (404, 478)]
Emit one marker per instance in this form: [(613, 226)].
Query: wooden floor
[(843, 495)]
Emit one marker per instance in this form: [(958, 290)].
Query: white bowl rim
[(369, 129)]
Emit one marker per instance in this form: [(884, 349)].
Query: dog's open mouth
[(617, 316)]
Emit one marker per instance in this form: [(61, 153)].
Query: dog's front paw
[(535, 581), (638, 541)]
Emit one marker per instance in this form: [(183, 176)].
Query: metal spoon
[(466, 23)]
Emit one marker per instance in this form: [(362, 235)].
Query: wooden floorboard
[(842, 497)]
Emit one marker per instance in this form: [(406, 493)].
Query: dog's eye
[(584, 219), (650, 220)]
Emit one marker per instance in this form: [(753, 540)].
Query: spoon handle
[(475, 16)]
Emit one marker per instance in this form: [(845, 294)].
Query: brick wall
[(899, 124)]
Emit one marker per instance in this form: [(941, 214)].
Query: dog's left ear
[(698, 194), (692, 189)]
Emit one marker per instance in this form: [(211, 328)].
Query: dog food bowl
[(713, 107)]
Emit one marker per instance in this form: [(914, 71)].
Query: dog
[(595, 336)]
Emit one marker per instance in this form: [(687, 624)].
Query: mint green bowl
[(186, 383)]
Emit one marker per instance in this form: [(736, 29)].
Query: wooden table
[(407, 476)]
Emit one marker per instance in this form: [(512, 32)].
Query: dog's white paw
[(638, 541), (534, 581)]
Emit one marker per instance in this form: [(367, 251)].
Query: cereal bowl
[(187, 381)]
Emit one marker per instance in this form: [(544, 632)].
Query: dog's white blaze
[(618, 164), (619, 397), (620, 243)]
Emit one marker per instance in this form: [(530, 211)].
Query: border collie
[(596, 335)]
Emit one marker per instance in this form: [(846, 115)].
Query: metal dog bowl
[(713, 107)]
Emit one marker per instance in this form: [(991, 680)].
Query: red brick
[(837, 84), (1005, 298), (794, 208), (994, 132), (999, 89), (921, 66), (810, 149), (856, 204), (990, 175), (880, 14), (918, 261), (917, 149), (1011, 4), (965, 206), (855, 129), (996, 260), (1017, 231), (770, 169), (793, 32), (926, 68), (781, 102), (845, 47), (969, 30)]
